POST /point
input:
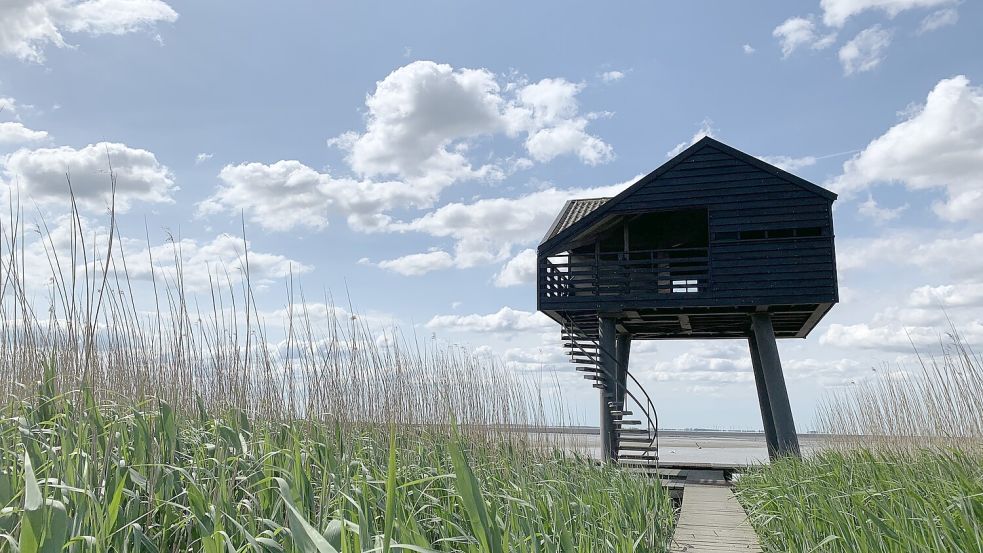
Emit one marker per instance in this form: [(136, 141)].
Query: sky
[(411, 156)]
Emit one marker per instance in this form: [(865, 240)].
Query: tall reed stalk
[(85, 316), (940, 404)]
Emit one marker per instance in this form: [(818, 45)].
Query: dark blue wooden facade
[(690, 250)]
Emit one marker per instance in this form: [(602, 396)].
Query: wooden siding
[(739, 197)]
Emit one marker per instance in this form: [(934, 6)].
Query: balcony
[(677, 272)]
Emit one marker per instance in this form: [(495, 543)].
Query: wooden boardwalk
[(711, 520)]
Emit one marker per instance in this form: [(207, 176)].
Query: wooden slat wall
[(741, 197)]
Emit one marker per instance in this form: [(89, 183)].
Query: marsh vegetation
[(140, 416)]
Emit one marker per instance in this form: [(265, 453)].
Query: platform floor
[(711, 519)]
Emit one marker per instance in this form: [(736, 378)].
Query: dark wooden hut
[(713, 244)]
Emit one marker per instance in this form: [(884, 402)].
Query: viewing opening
[(770, 234)]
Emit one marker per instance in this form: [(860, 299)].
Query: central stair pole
[(607, 342)]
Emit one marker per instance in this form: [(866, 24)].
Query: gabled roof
[(573, 211), (558, 233)]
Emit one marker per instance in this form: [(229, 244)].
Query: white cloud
[(12, 132), (521, 269), (837, 12), (612, 76), (937, 20), (421, 122), (888, 337), (517, 221), (504, 320), (414, 117), (418, 263), (866, 51), (706, 129), (748, 49), (203, 157), (919, 249), (938, 145), (872, 210), (965, 294), (790, 164), (422, 115), (140, 177), (288, 194), (798, 32), (223, 256), (838, 372), (31, 25), (548, 113)]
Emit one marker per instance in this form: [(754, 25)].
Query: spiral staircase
[(634, 423)]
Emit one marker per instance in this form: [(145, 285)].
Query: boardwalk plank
[(712, 520)]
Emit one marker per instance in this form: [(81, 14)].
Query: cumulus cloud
[(140, 177), (521, 269), (420, 117), (748, 49), (203, 157), (918, 249), (965, 294), (865, 51), (223, 256), (517, 222), (799, 32), (872, 210), (12, 132), (938, 19), (837, 12), (504, 320), (418, 263), (288, 194), (939, 145), (887, 337), (414, 117), (706, 129), (31, 25), (421, 124)]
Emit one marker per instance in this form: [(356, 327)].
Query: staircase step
[(599, 386), (594, 377), (624, 447), (635, 432), (627, 422), (580, 345), (637, 457), (619, 412), (587, 369)]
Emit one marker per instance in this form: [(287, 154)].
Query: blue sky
[(411, 154)]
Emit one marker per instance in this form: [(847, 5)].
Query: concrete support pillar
[(763, 403), (787, 441), (608, 365), (622, 352)]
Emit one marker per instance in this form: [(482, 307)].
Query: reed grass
[(939, 403), (860, 501), (902, 469), (120, 477), (140, 416)]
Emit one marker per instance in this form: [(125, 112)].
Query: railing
[(671, 271)]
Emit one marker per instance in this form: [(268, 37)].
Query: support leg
[(623, 350), (763, 403), (771, 368), (606, 355)]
